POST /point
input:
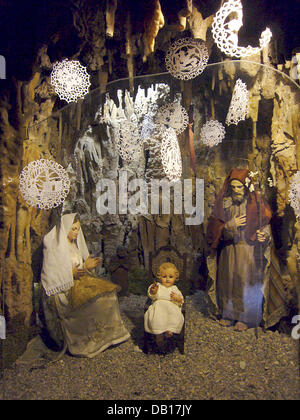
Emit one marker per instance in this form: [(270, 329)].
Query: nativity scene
[(150, 201)]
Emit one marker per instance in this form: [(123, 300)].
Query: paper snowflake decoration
[(212, 133), (294, 193), (225, 33), (186, 58), (170, 155), (172, 115), (70, 80), (129, 144), (44, 184), (238, 108)]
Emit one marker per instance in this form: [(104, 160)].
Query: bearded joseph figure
[(238, 238)]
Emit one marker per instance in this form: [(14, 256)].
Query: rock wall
[(21, 224)]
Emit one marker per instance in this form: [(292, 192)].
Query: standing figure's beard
[(238, 198)]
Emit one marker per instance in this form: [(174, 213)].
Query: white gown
[(164, 315)]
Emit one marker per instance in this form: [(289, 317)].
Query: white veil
[(57, 273)]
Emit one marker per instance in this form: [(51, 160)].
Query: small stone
[(243, 365)]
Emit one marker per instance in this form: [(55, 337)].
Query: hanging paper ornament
[(186, 58), (44, 184), (294, 193), (238, 108), (70, 80), (129, 144), (170, 155), (225, 33), (212, 133), (172, 115)]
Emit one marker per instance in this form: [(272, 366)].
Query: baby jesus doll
[(164, 316)]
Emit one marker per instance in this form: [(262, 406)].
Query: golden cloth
[(87, 288)]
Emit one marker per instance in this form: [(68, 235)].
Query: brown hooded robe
[(237, 287)]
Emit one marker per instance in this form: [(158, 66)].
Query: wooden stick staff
[(191, 138)]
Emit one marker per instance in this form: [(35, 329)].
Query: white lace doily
[(225, 33), (170, 155), (186, 58), (212, 133), (70, 80), (44, 184), (238, 108), (172, 115), (294, 193), (129, 144)]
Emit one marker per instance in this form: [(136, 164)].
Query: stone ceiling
[(73, 27)]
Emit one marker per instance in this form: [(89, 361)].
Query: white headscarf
[(57, 275)]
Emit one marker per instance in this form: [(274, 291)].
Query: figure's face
[(237, 190), (168, 277), (72, 236)]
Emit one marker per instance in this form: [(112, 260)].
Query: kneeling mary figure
[(84, 306)]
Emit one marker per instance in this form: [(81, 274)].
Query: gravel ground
[(218, 363)]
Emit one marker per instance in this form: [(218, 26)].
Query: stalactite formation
[(154, 21), (187, 9), (111, 7)]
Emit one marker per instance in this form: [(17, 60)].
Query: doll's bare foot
[(168, 334), (240, 326), (225, 322)]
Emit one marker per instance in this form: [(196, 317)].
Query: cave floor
[(219, 363)]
